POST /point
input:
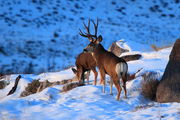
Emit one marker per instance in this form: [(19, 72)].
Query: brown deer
[(84, 63), (107, 62)]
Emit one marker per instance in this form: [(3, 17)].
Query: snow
[(122, 44), (28, 29), (28, 44), (88, 102), (56, 76)]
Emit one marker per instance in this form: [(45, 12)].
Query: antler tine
[(88, 34), (87, 27), (95, 27), (82, 34)]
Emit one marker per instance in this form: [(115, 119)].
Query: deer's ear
[(74, 70), (99, 39)]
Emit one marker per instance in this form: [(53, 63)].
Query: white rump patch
[(121, 68)]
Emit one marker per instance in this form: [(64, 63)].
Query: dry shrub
[(2, 84), (1, 76), (70, 86), (4, 81), (31, 88), (36, 86), (149, 85), (141, 107), (155, 48)]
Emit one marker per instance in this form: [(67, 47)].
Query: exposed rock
[(117, 50), (169, 86)]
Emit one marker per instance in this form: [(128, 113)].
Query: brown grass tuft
[(36, 86), (4, 81), (2, 84), (70, 86), (149, 85)]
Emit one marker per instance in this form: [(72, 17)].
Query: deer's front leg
[(87, 76), (111, 86), (80, 74), (102, 79), (95, 75), (83, 77)]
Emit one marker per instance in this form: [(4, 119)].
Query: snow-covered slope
[(88, 102), (42, 35)]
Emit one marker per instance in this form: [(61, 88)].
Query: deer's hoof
[(117, 99), (103, 91), (125, 97)]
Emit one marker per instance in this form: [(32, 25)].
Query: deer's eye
[(92, 44)]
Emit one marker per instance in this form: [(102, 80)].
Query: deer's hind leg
[(124, 79), (116, 81)]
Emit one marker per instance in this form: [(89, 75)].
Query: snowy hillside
[(88, 102), (42, 35)]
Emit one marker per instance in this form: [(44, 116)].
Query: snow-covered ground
[(43, 35), (88, 102)]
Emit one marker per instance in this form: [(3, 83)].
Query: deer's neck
[(99, 49), (98, 52)]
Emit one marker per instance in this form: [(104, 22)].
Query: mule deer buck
[(107, 62), (84, 63)]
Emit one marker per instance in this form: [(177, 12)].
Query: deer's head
[(94, 40), (76, 73)]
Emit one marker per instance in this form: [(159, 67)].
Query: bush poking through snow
[(155, 48), (3, 81), (141, 107), (31, 88), (70, 86), (149, 85), (36, 86), (2, 84)]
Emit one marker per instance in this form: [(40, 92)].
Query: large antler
[(87, 29), (95, 27), (88, 35)]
